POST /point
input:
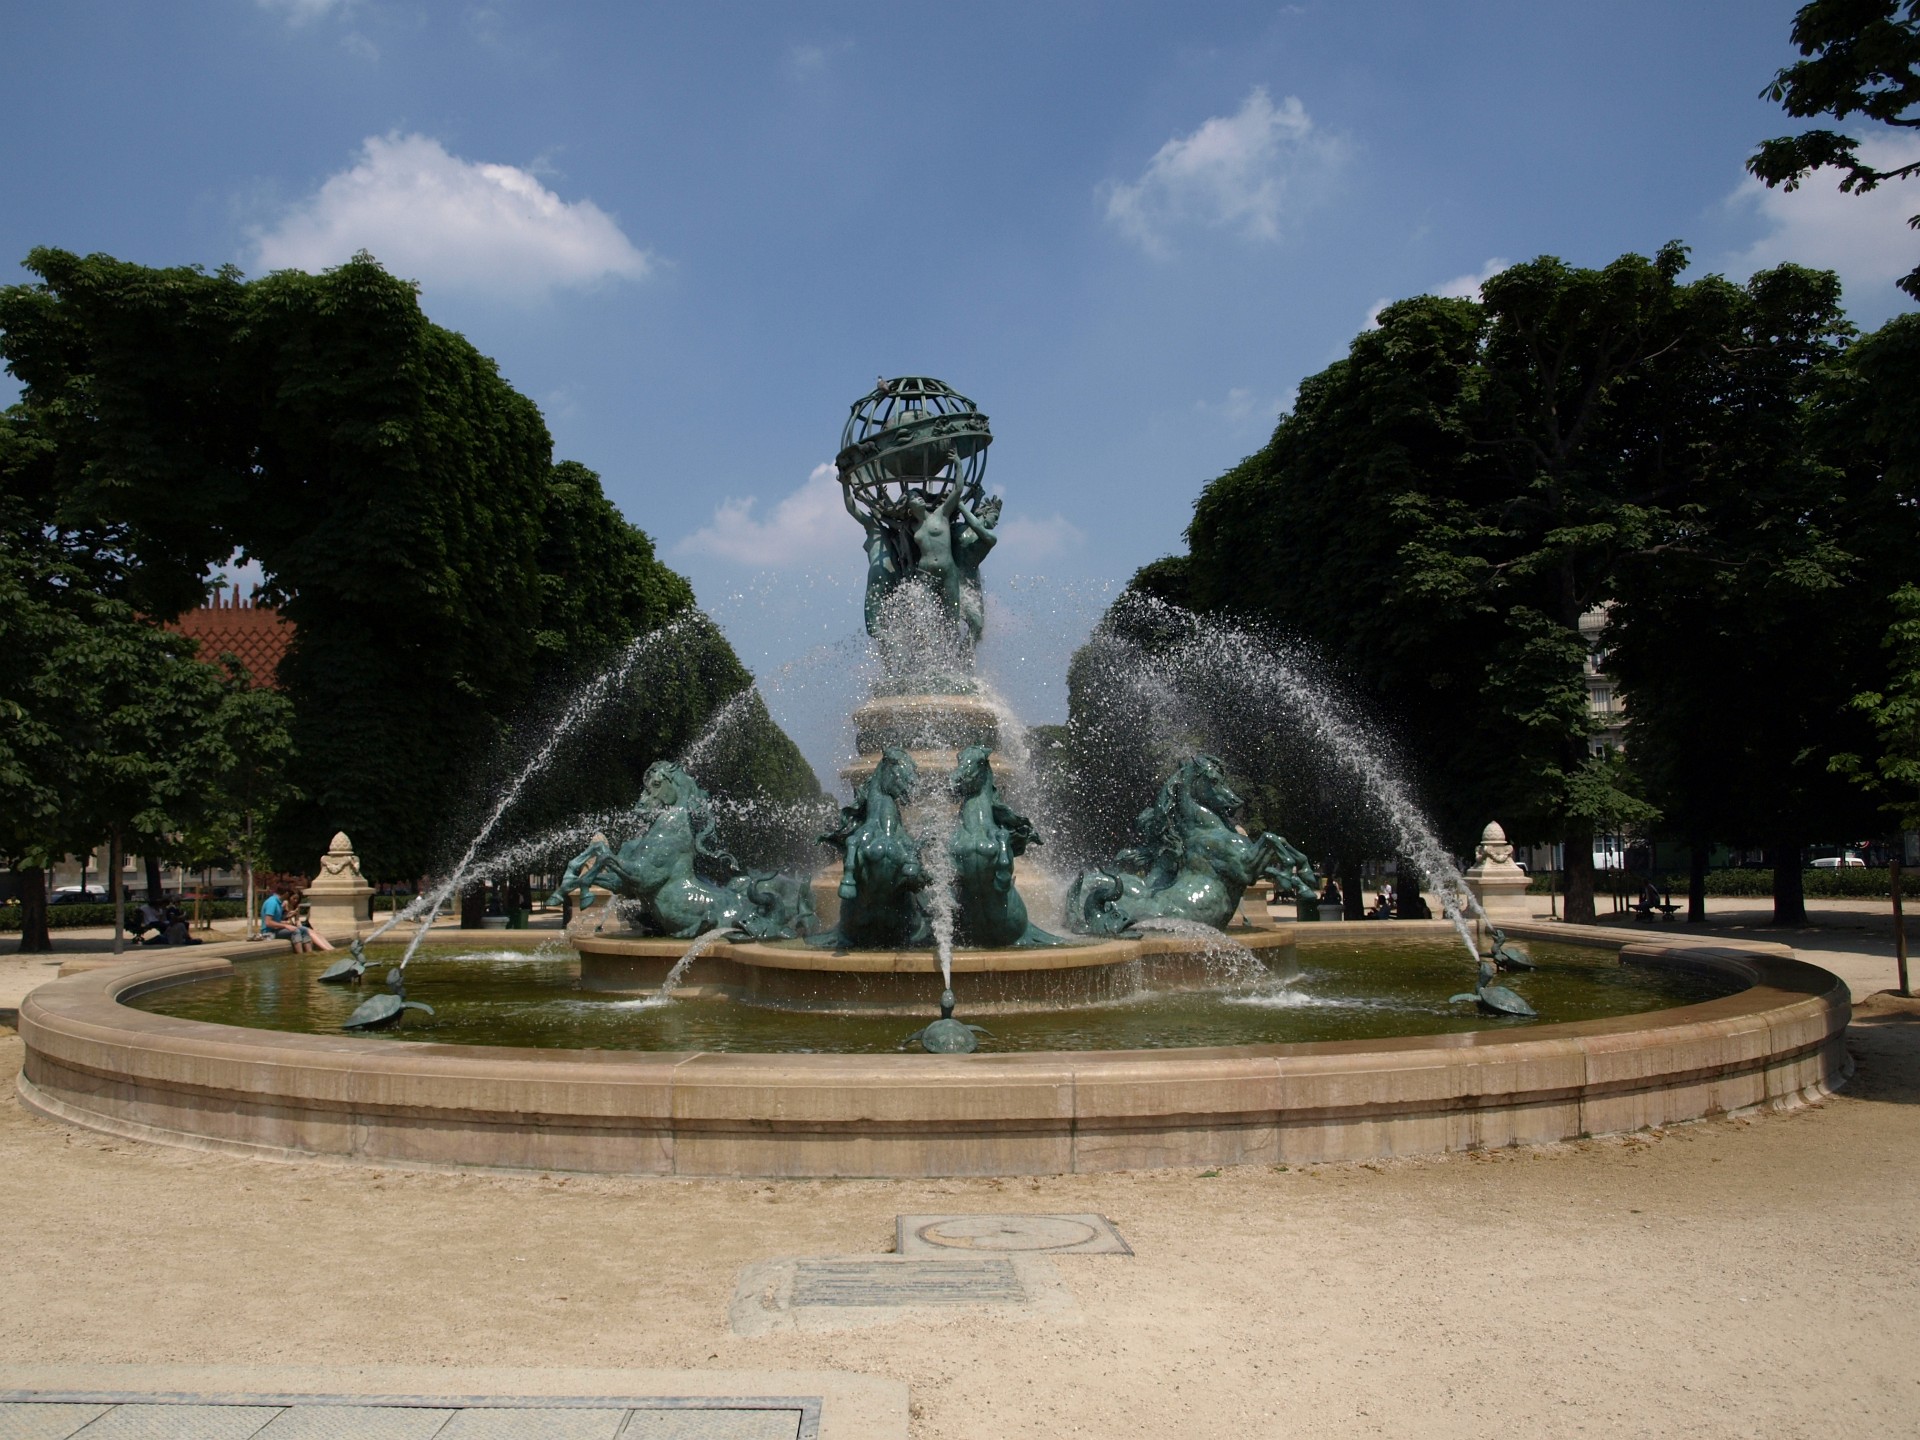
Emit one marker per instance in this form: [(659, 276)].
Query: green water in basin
[(1360, 991)]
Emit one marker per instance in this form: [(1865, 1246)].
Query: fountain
[(715, 1019)]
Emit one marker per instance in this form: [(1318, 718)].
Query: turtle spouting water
[(947, 1036), (346, 971), (1495, 999), (1509, 954), (379, 1012)]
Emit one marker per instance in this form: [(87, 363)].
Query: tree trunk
[(1353, 898), (1697, 883), (116, 863), (1577, 857), (34, 939), (1408, 883), (156, 883), (473, 907), (1789, 884)]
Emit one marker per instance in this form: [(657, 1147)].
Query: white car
[(1837, 862)]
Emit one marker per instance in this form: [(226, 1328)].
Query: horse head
[(895, 776), (972, 773), (1204, 781)]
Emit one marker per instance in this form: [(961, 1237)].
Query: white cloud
[(1864, 237), (1243, 406), (444, 221), (808, 527), (1025, 541), (808, 60), (299, 12), (1461, 287), (1245, 172)]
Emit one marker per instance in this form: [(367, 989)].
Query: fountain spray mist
[(584, 704), (1198, 668)]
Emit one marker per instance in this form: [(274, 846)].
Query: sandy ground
[(1732, 1278)]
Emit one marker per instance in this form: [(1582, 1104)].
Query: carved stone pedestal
[(1497, 883), (339, 901)]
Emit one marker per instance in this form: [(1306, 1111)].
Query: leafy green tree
[(1445, 504), (440, 572), (1870, 430), (1737, 635), (1862, 58), (1895, 716)]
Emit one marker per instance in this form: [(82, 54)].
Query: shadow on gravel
[(1885, 1044)]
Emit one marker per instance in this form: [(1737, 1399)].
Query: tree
[(1862, 58), (441, 573), (1445, 504), (1737, 634), (1870, 430)]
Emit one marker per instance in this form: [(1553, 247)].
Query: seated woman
[(281, 924)]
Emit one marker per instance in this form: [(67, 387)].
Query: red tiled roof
[(242, 627)]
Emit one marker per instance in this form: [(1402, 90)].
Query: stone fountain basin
[(92, 1061), (793, 975)]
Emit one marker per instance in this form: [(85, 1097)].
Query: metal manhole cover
[(1008, 1234)]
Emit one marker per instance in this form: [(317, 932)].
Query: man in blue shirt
[(277, 923)]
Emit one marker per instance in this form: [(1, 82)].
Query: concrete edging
[(94, 1062)]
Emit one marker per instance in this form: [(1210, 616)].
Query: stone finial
[(1498, 883), (339, 863), (1494, 845), (339, 899)]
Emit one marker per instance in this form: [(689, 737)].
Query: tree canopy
[(442, 574), (1444, 505), (1862, 58)]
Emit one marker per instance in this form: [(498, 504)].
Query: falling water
[(1224, 957), (693, 952), (718, 723), (937, 824), (586, 702), (1222, 662)]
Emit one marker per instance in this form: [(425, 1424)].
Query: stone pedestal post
[(1497, 883), (339, 901)]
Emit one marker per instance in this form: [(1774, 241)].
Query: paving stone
[(533, 1423), (33, 1420), (926, 1282), (1008, 1234), (713, 1425), (179, 1422), (357, 1422)]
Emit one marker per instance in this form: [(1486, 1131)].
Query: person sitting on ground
[(176, 932), (1330, 895), (148, 917)]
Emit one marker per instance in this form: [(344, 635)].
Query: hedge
[(72, 917), (1853, 883)]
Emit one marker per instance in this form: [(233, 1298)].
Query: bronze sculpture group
[(911, 464)]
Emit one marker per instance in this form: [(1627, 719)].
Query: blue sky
[(695, 233)]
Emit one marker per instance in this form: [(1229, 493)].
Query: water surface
[(1360, 991)]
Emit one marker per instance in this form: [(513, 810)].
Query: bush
[(74, 917), (1857, 883)]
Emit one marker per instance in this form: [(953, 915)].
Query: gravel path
[(1732, 1278)]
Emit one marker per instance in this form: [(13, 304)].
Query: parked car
[(1839, 862), (74, 895)]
